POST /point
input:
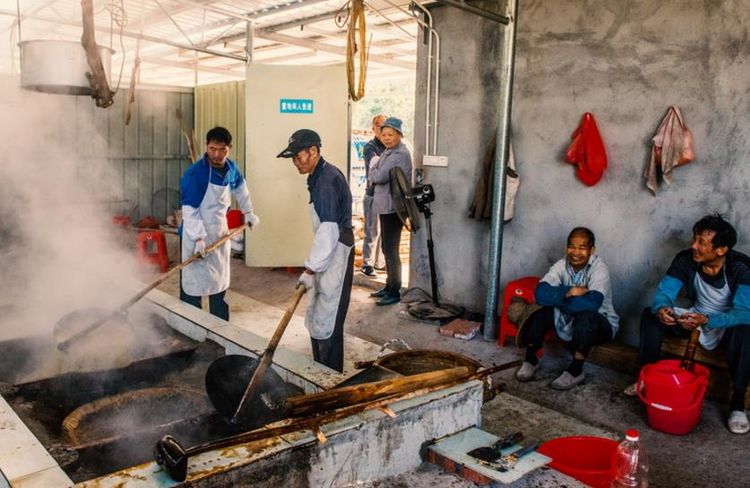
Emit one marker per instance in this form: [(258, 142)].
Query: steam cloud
[(58, 248)]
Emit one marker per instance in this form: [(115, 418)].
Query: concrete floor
[(709, 456)]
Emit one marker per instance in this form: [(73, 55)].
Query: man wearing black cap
[(330, 264)]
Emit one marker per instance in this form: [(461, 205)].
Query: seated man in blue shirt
[(716, 280), (576, 300)]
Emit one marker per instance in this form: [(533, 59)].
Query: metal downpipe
[(498, 183)]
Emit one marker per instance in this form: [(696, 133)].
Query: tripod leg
[(431, 254)]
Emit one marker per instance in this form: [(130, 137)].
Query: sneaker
[(379, 268), (367, 270), (526, 371), (389, 299), (566, 381), (379, 294), (738, 423), (631, 390)]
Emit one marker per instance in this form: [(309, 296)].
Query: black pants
[(390, 229), (736, 340), (589, 329), (330, 352), (216, 303)]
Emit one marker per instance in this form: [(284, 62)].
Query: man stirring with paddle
[(207, 187), (330, 265)]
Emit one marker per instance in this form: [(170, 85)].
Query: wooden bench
[(624, 359)]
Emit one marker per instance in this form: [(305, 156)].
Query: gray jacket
[(398, 156)]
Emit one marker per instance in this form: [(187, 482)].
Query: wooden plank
[(345, 396), (173, 183), (130, 187), (116, 123), (172, 125), (145, 187), (117, 176), (146, 124), (160, 191), (100, 127), (186, 103), (131, 132), (159, 108)]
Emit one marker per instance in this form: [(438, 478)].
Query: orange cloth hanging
[(586, 151), (672, 146)]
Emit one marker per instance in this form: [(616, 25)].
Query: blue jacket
[(681, 274), (194, 182), (373, 148)]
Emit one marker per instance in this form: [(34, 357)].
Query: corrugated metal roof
[(189, 42)]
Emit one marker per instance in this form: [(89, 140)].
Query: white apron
[(710, 300), (209, 275), (323, 302)]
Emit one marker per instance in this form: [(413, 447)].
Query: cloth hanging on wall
[(481, 205), (586, 151), (672, 146)]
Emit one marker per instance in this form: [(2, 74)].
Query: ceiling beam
[(374, 44), (317, 46), (133, 35), (191, 66), (254, 15), (305, 22)]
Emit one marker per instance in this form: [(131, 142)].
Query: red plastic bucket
[(673, 399), (667, 383), (585, 458)]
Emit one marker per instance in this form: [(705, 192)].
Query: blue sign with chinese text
[(296, 106)]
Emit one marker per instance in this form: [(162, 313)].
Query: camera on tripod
[(423, 195)]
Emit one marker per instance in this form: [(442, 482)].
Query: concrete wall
[(626, 62)]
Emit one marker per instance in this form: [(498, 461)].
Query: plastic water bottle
[(631, 463)]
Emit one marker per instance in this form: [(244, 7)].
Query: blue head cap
[(394, 123)]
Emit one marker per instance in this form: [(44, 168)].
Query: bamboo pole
[(64, 341), (315, 422), (335, 398)]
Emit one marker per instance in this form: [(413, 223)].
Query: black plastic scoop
[(240, 386)]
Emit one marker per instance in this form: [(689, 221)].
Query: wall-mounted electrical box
[(428, 160)]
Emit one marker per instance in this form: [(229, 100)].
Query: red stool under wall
[(151, 249), (523, 288)]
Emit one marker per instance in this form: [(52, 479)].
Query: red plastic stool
[(524, 288), (235, 218), (151, 249)]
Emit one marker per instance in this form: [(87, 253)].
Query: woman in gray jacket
[(396, 155)]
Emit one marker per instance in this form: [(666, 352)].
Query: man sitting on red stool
[(576, 299)]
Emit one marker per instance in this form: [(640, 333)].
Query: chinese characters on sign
[(296, 106)]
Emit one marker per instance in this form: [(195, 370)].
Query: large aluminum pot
[(59, 67)]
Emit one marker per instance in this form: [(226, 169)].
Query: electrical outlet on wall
[(428, 160)]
